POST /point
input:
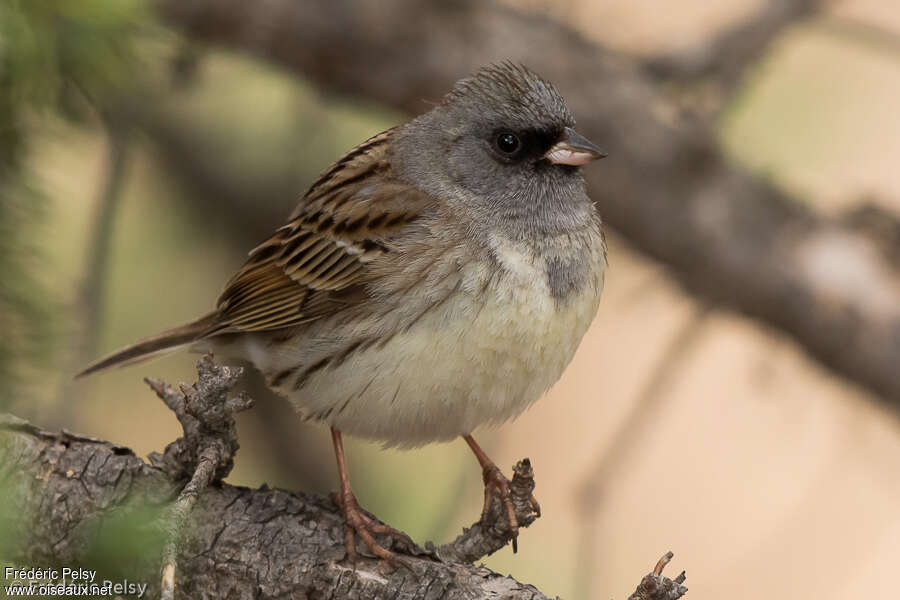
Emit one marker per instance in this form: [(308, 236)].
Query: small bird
[(436, 278)]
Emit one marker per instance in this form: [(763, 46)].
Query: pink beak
[(573, 149)]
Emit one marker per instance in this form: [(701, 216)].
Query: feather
[(343, 223), (313, 266)]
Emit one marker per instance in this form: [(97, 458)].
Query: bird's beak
[(573, 149)]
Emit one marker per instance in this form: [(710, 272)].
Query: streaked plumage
[(438, 277)]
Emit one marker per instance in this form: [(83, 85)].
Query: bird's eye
[(508, 143)]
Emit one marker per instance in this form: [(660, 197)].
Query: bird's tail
[(166, 341)]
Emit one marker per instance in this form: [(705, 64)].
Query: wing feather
[(316, 263)]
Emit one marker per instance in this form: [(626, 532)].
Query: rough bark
[(728, 236), (62, 491)]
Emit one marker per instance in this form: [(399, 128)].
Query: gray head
[(501, 147)]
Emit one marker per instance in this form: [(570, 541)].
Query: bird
[(438, 277)]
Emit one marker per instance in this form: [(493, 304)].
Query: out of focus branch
[(92, 288), (871, 35), (89, 303), (728, 236), (724, 58), (878, 224), (602, 471)]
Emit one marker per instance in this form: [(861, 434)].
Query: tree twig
[(60, 489), (656, 587), (476, 542), (205, 453)]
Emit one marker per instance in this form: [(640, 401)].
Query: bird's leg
[(496, 484), (357, 521)]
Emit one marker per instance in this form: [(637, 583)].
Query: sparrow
[(436, 278)]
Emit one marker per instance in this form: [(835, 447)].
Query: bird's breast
[(479, 357)]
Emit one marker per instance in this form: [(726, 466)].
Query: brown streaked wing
[(316, 263)]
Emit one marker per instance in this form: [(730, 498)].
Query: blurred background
[(145, 148)]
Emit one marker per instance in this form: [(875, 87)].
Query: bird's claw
[(358, 522), (496, 485)]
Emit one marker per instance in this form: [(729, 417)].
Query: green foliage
[(25, 315), (56, 56), (51, 49), (128, 542), (123, 543)]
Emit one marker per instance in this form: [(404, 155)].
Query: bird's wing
[(316, 263)]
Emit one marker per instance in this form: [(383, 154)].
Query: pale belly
[(475, 360)]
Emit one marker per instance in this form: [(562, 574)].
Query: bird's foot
[(359, 522), (496, 485)]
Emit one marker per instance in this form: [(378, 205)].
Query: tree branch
[(727, 236), (205, 453), (60, 491), (724, 58)]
